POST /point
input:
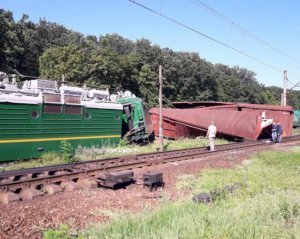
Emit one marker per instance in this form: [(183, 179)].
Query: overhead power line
[(242, 29), (206, 36)]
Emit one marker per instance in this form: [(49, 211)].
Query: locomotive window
[(87, 115), (117, 116), (34, 114), (72, 110), (52, 109)]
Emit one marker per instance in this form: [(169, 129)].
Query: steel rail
[(37, 178), (117, 160)]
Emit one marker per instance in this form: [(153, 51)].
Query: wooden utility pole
[(285, 86), (161, 136)]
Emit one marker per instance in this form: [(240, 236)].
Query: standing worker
[(274, 131), (211, 134), (279, 132)]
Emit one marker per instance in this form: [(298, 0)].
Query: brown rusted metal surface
[(173, 129), (233, 123), (219, 104), (248, 121)]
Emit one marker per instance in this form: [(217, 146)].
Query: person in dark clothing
[(274, 131), (279, 132)]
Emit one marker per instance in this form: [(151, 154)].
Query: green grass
[(269, 170), (262, 216), (267, 206), (83, 154), (49, 158), (296, 131), (106, 152)]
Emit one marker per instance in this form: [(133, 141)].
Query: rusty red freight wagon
[(233, 120)]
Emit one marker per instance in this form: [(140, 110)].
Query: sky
[(260, 35)]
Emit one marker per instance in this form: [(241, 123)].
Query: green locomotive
[(37, 117), (137, 126)]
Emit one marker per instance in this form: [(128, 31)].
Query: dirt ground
[(80, 208)]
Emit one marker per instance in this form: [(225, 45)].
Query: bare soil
[(80, 208)]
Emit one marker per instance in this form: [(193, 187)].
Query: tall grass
[(262, 216), (49, 158), (267, 206), (296, 131), (83, 153)]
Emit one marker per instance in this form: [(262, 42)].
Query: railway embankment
[(266, 206), (152, 214)]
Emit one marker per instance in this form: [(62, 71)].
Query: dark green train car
[(137, 126), (38, 118)]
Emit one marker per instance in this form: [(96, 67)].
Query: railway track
[(28, 183)]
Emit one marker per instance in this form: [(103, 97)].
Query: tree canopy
[(50, 50)]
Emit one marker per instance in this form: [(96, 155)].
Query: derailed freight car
[(233, 120)]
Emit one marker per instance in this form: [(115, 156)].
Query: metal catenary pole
[(285, 86)]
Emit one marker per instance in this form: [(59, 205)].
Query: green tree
[(10, 48), (116, 62), (149, 90), (116, 43), (72, 61)]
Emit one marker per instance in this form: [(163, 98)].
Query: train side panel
[(28, 130)]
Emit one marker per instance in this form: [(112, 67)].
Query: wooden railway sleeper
[(58, 175)]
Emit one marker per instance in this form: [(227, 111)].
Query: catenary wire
[(242, 29), (206, 36)]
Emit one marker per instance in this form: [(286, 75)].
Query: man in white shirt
[(211, 134)]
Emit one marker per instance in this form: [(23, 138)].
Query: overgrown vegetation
[(63, 232), (266, 207), (50, 50), (67, 154), (67, 151), (296, 131), (49, 158)]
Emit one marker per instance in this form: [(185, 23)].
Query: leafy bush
[(67, 151)]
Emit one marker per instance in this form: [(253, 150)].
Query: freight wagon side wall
[(244, 122), (234, 123), (284, 117), (169, 127), (283, 114)]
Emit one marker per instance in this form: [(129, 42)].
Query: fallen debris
[(216, 194)]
